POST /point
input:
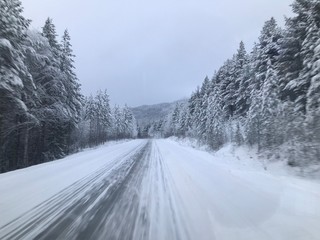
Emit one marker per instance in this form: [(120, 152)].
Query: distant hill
[(148, 113)]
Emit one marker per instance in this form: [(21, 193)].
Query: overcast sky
[(152, 51)]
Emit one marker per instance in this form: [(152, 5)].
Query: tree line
[(269, 97), (43, 115)]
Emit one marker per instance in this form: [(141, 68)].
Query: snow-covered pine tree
[(201, 120), (71, 83), (268, 50), (130, 124), (245, 80), (117, 123), (253, 121), (215, 128), (91, 116), (270, 111), (313, 94), (298, 79), (241, 61), (227, 86), (56, 125), (103, 116), (175, 119), (264, 61), (194, 105), (16, 86), (296, 53), (49, 31), (184, 121)]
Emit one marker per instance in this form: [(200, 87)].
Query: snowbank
[(248, 158)]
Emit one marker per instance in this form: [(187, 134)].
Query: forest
[(269, 97), (43, 115)]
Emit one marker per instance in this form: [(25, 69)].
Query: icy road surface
[(153, 190)]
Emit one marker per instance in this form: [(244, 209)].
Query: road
[(154, 189)]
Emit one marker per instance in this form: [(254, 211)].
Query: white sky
[(152, 51)]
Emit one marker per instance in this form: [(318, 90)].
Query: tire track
[(116, 215), (179, 229), (159, 203), (70, 203)]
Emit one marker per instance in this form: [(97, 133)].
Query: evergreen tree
[(129, 122), (297, 53), (74, 97), (241, 63), (214, 125), (270, 109), (267, 52), (118, 124), (49, 31), (16, 87), (227, 86), (313, 96)]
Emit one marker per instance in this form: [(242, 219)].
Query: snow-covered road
[(153, 190)]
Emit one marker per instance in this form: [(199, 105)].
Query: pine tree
[(244, 91), (49, 31), (129, 122), (175, 119), (52, 112), (263, 83), (16, 86), (201, 120), (214, 125), (227, 86), (103, 116), (184, 121), (91, 115), (270, 108), (253, 120), (313, 106), (268, 50), (74, 97), (313, 96), (297, 51), (240, 74), (194, 111), (116, 122)]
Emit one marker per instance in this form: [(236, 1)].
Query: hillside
[(149, 113)]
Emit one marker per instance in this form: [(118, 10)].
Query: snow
[(38, 183), (221, 199), (11, 77), (183, 192), (4, 43), (248, 158)]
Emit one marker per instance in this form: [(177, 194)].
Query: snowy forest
[(43, 115), (269, 98)]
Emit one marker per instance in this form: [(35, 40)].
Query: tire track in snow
[(65, 207), (132, 197), (116, 216), (160, 202)]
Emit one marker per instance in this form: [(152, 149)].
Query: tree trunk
[(16, 161), (26, 147)]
